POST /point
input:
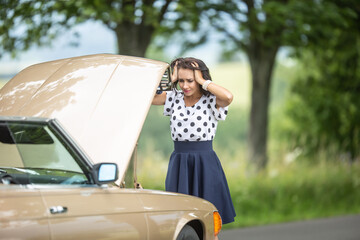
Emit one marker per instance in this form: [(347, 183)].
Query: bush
[(297, 192)]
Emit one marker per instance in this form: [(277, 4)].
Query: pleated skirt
[(195, 169)]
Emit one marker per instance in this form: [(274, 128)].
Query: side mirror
[(105, 173)]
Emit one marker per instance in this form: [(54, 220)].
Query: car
[(68, 137)]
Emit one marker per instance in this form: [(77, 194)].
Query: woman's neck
[(191, 100)]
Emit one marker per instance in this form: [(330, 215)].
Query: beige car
[(68, 130)]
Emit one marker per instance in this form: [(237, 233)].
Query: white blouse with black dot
[(194, 123)]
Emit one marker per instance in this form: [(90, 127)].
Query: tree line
[(323, 35)]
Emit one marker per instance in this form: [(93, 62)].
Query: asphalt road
[(339, 228)]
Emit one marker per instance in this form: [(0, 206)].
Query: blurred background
[(290, 144)]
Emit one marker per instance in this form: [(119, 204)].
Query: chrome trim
[(58, 209), (26, 119), (60, 186)]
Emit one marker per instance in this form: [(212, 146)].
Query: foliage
[(324, 105), (134, 22), (296, 192), (15, 15), (272, 23), (260, 28), (287, 191)]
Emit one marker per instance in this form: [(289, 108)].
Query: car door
[(95, 213), (22, 214)]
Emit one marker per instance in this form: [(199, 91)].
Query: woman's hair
[(186, 63)]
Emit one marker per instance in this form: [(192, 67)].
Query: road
[(339, 228)]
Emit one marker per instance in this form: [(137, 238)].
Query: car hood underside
[(100, 100)]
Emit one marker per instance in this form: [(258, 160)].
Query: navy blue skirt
[(195, 169)]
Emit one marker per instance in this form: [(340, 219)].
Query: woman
[(194, 167)]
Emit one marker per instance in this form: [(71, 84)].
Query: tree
[(134, 22), (260, 29), (324, 104)]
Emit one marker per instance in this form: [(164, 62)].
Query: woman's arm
[(159, 99), (223, 96)]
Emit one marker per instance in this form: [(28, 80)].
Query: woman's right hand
[(174, 74)]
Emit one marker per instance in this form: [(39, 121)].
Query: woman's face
[(187, 82)]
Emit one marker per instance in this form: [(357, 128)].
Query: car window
[(33, 153)]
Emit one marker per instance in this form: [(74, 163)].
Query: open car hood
[(100, 100)]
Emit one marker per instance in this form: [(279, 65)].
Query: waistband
[(191, 146)]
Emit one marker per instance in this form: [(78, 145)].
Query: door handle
[(58, 209)]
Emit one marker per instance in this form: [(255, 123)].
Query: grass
[(295, 192), (286, 191)]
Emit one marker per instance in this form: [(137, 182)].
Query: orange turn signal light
[(217, 223)]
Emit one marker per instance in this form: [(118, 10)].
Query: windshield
[(33, 153)]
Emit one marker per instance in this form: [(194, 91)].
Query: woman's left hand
[(197, 74)]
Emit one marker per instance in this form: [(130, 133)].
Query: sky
[(94, 38)]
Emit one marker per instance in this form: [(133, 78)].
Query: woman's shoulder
[(208, 95), (174, 94), (211, 97)]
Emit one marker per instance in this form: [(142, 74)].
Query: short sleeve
[(169, 103), (219, 114)]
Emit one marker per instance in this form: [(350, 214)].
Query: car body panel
[(112, 213), (161, 222), (97, 89), (23, 214)]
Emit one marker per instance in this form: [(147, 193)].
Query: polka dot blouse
[(193, 123)]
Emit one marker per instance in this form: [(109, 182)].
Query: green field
[(285, 192)]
